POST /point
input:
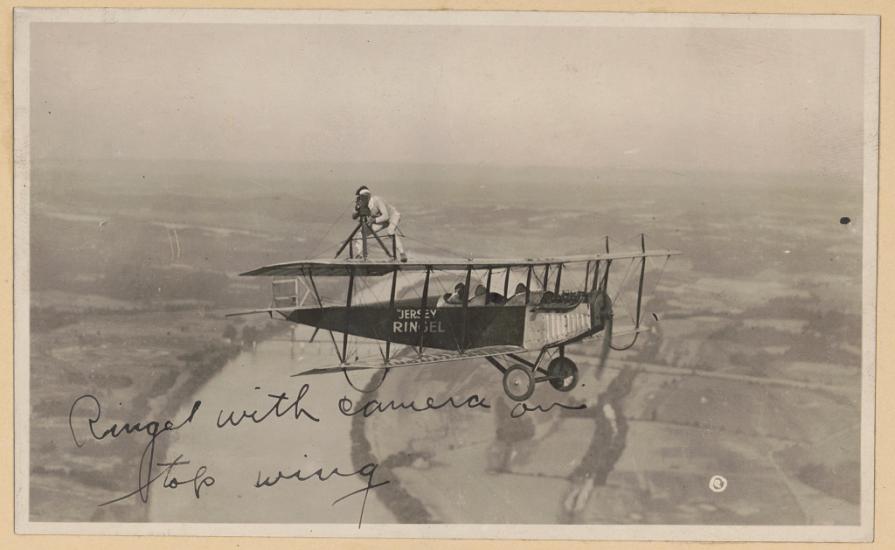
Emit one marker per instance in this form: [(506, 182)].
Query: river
[(235, 455)]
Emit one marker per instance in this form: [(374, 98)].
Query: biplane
[(544, 310)]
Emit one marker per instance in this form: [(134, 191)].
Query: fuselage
[(453, 327)]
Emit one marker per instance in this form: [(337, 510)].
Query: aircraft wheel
[(563, 374), (518, 383)]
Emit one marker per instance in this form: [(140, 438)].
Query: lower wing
[(408, 358), (622, 331)]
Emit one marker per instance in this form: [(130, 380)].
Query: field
[(133, 267)]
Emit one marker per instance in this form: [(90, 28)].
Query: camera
[(361, 206)]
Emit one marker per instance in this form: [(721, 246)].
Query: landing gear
[(519, 378), (518, 382), (562, 374)]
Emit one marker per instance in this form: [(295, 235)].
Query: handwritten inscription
[(87, 423), (321, 474), (281, 406), (520, 409), (373, 406), (152, 428), (414, 320), (199, 480)]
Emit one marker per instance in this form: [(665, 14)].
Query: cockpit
[(520, 297)]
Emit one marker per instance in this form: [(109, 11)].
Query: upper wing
[(408, 358), (339, 267)]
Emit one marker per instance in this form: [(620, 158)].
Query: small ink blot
[(845, 220)]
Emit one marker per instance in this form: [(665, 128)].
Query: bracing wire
[(316, 250), (456, 253)]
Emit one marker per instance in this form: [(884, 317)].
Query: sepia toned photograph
[(445, 274)]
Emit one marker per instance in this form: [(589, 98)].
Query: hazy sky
[(719, 99)]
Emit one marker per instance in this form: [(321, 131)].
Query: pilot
[(443, 299), (496, 298), (518, 296), (383, 216), (459, 295), (479, 295)]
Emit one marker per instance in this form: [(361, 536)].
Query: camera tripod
[(366, 231)]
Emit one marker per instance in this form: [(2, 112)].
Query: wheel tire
[(518, 383), (563, 374)]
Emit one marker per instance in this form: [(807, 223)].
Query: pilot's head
[(520, 288)]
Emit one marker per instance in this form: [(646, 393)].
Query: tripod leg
[(379, 240), (347, 241), (363, 232)]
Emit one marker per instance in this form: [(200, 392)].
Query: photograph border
[(864, 532)]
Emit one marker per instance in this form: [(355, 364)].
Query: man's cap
[(362, 190)]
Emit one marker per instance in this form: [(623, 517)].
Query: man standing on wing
[(382, 216)]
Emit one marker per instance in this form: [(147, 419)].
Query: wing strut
[(320, 304), (586, 276), (506, 284), (528, 285), (640, 284), (464, 340), (558, 279), (596, 276), (423, 302), (488, 285), (347, 316), (605, 284), (391, 315)]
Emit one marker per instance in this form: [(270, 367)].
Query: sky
[(743, 100)]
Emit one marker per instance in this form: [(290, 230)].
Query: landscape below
[(133, 268)]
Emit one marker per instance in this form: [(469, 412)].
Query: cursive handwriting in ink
[(152, 428), (366, 471), (199, 480), (280, 407), (521, 408), (368, 409)]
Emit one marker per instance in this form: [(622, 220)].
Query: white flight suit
[(383, 216)]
